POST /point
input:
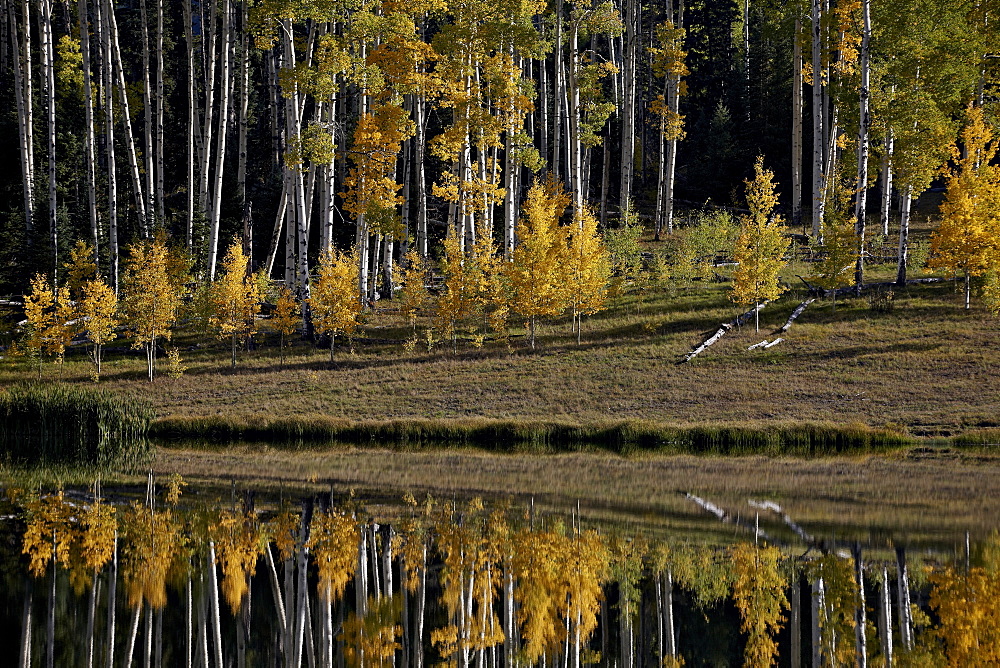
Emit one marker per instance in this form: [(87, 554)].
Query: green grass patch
[(51, 424)]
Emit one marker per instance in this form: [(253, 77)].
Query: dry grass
[(926, 498), (928, 365)]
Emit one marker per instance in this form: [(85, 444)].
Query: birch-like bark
[(860, 614), (112, 586), (628, 110), (24, 658), (903, 596), (819, 145), (158, 148), (109, 142), (904, 235), (818, 619), (133, 635), (89, 153), (208, 36), (192, 122), (24, 101), (860, 211), (147, 110), (795, 622), (420, 147), (140, 199), (797, 109), (557, 93), (886, 204), (215, 208), (213, 600), (49, 93), (885, 619), (244, 101)]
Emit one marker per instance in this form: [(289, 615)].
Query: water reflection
[(158, 582)]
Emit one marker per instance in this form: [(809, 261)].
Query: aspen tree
[(80, 269), (235, 298), (48, 312), (286, 318), (537, 272), (761, 245), (334, 296), (967, 240), (668, 62), (459, 299), (589, 268), (237, 546), (840, 247), (98, 311), (758, 589), (150, 300)]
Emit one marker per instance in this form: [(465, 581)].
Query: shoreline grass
[(497, 435)]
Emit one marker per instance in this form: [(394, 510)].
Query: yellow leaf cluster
[(378, 138), (761, 245), (49, 533), (759, 592), (237, 548), (152, 541), (151, 298), (80, 269), (334, 294), (333, 541), (234, 295)]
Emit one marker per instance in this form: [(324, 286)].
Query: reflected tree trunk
[(26, 623), (903, 597)]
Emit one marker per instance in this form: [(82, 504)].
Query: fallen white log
[(762, 344), (795, 314), (773, 343), (739, 320)]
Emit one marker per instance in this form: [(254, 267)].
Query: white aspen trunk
[(658, 591), (819, 145), (509, 199), (203, 623), (420, 146), (543, 107), (188, 624), (24, 658), (795, 622), (860, 614), (279, 220), (628, 106), (557, 96), (160, 213), (244, 83), (147, 111), (886, 204), (885, 619), (797, 108), (575, 148), (91, 613), (668, 613), (109, 138), (220, 151), (49, 93), (288, 631), (140, 200), (89, 152), (132, 636), (605, 175), (112, 586), (904, 235), (208, 31), (418, 645), (192, 123), (860, 211), (25, 114), (213, 600), (818, 610), (903, 596), (148, 648)]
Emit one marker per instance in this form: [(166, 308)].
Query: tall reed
[(41, 424)]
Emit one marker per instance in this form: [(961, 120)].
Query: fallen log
[(795, 314), (726, 518), (738, 321)]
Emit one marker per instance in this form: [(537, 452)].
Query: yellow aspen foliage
[(285, 318), (968, 239), (459, 299), (968, 607), (759, 592), (537, 273), (94, 543), (38, 313), (761, 245), (333, 296), (703, 571), (840, 592), (80, 269), (49, 533), (540, 594), (151, 541), (589, 266), (235, 298), (238, 545), (98, 311), (587, 568), (282, 529), (414, 295), (491, 285), (333, 539), (371, 183), (627, 557), (151, 298), (373, 639)]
